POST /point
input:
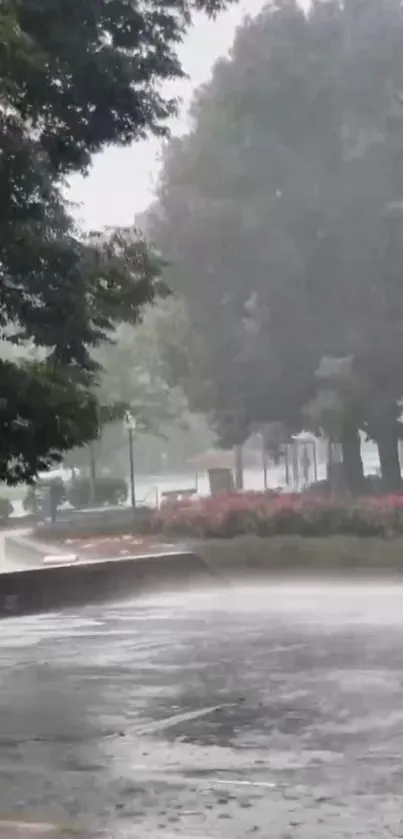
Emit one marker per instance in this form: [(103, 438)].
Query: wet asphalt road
[(274, 712)]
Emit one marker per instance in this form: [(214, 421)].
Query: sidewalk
[(5, 563), (20, 551)]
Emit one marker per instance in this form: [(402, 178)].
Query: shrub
[(108, 490), (232, 515), (109, 523), (6, 508), (372, 486), (318, 488), (30, 502)]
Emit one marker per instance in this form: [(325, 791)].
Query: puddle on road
[(330, 603), (160, 709)]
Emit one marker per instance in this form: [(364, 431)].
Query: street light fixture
[(130, 425)]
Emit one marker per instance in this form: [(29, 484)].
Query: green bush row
[(79, 492)]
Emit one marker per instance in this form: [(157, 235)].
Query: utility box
[(221, 480)]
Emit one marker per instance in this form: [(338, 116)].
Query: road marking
[(236, 782), (176, 778), (177, 719)]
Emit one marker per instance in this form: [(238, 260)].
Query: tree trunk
[(388, 448), (93, 474), (353, 469), (265, 465), (238, 453)]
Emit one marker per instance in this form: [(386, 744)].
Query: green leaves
[(74, 78), (277, 196), (44, 411), (123, 276), (88, 74)]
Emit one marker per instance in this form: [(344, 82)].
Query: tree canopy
[(74, 78), (84, 75), (280, 213)]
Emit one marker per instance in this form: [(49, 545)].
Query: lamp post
[(130, 426)]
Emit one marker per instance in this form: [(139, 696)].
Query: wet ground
[(273, 712)]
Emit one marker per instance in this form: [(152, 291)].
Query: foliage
[(260, 514), (89, 74), (61, 296), (125, 276), (338, 396), (372, 485), (137, 521), (44, 411), (107, 490), (6, 508), (279, 213), (135, 376), (74, 78), (30, 501)]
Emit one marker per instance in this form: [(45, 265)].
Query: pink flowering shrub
[(263, 514)]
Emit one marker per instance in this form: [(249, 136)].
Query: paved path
[(272, 712), (5, 563)]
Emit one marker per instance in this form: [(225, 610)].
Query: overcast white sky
[(121, 181)]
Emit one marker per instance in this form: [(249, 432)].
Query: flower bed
[(261, 514)]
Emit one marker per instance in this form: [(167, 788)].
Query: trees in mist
[(281, 216), (134, 376), (74, 78)]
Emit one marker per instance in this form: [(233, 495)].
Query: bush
[(372, 486), (138, 522), (6, 508), (232, 515), (30, 502), (108, 490), (318, 488)]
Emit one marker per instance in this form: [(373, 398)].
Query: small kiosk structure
[(219, 466)]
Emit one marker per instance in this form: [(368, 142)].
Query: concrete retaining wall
[(49, 588), (52, 588), (247, 556)]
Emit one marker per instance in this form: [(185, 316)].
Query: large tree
[(74, 77), (281, 214)]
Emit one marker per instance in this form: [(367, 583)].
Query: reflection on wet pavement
[(274, 711)]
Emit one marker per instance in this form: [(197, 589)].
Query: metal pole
[(239, 476), (264, 464), (315, 462), (132, 487), (93, 475), (287, 465)]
